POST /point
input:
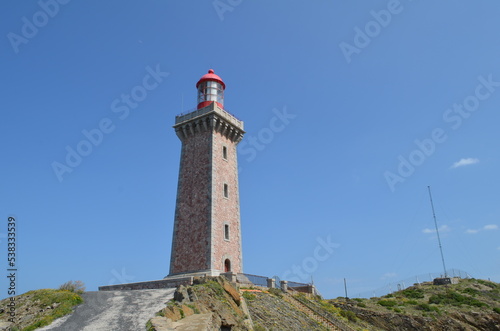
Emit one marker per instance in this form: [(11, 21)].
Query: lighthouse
[(207, 232)]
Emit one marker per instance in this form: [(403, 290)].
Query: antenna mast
[(437, 231)]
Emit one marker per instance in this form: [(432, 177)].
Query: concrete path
[(114, 311)]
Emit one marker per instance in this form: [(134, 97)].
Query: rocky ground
[(213, 303), (469, 305), (270, 312)]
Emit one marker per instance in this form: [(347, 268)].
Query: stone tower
[(207, 232)]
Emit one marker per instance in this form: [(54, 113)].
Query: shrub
[(455, 299), (361, 304), (349, 315), (427, 307), (76, 286), (471, 291), (412, 302), (387, 303), (413, 293), (496, 310)]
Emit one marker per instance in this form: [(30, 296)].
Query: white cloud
[(443, 228), (488, 227), (465, 162)]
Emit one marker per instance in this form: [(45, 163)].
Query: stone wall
[(154, 284)]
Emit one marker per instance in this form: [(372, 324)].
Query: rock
[(160, 323), (187, 311), (211, 306), (5, 326), (230, 290), (172, 313), (181, 294), (197, 322), (192, 295)]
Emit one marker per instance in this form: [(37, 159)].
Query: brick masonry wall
[(191, 246), (225, 210)]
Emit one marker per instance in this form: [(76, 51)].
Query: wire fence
[(256, 280), (405, 283), (294, 284), (251, 279)]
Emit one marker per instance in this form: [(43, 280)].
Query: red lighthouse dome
[(210, 88)]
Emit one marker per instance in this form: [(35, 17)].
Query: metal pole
[(437, 231), (345, 288)]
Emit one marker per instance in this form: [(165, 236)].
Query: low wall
[(154, 284)]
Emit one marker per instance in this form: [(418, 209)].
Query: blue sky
[(375, 100)]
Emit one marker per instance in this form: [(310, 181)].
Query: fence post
[(271, 283)]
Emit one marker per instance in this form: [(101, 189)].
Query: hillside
[(472, 304), (37, 308), (215, 304), (469, 305)]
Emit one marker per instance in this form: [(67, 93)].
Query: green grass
[(487, 283), (413, 293), (471, 291), (387, 303), (349, 315), (455, 299), (66, 300), (276, 291), (427, 307), (249, 296)]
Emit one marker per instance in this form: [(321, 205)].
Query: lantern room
[(210, 88)]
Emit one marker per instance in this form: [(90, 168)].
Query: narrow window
[(226, 231), (226, 191), (224, 152)]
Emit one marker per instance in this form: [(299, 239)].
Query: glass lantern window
[(210, 91)]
